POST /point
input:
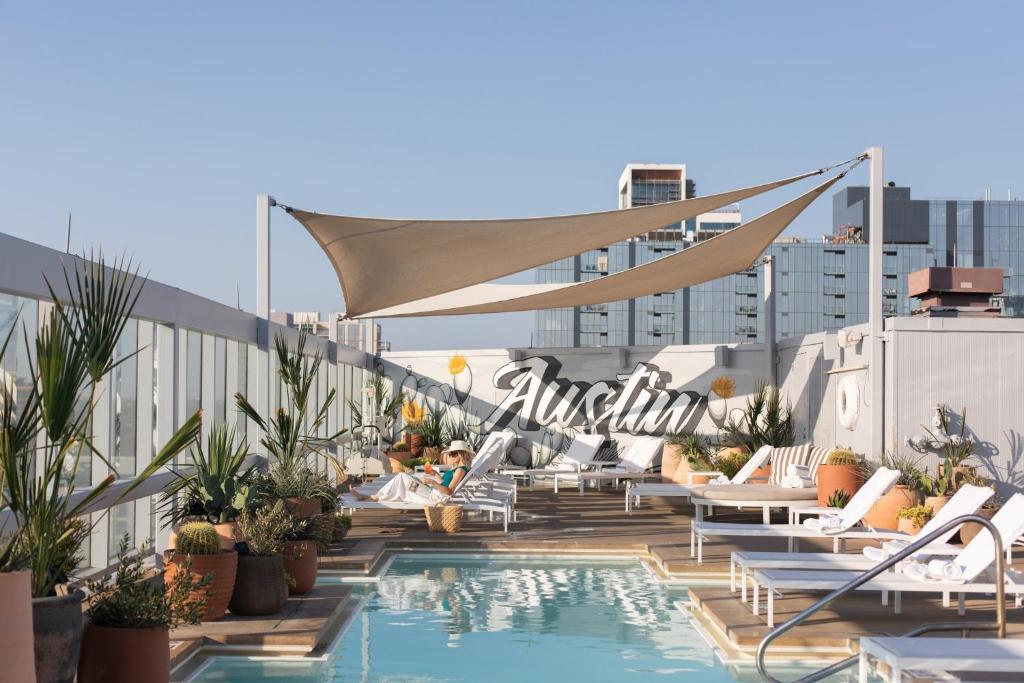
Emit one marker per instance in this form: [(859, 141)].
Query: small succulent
[(838, 499), (197, 538), (919, 515)]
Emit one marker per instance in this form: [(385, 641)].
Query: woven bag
[(446, 518)]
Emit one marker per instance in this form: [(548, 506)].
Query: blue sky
[(156, 125)]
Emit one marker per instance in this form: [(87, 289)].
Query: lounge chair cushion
[(804, 454), (752, 492)]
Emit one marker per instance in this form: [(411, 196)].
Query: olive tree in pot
[(130, 616), (261, 585), (198, 551), (44, 439), (216, 488), (293, 433)]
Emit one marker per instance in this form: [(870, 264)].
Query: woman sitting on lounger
[(429, 490)]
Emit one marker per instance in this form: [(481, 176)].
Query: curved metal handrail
[(913, 548)]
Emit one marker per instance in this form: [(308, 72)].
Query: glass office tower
[(821, 284)]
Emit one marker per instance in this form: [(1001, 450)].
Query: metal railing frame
[(1000, 582)]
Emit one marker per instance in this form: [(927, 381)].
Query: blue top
[(446, 478)]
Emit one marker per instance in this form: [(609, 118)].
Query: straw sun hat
[(460, 445)]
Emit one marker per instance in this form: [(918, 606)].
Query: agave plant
[(765, 421), (218, 486), (42, 443), (291, 434)]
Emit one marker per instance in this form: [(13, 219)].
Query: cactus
[(842, 456), (197, 538)]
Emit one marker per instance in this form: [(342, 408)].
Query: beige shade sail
[(716, 257), (381, 262)]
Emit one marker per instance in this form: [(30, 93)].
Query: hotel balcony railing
[(890, 291), (746, 329), (834, 269), (594, 308), (889, 308), (746, 309)]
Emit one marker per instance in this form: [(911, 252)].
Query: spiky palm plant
[(382, 403), (765, 421), (42, 443), (292, 433), (218, 484)]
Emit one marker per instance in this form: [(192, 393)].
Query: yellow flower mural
[(456, 364), (724, 386), (412, 412)]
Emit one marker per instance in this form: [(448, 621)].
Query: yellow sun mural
[(724, 386), (456, 364), (412, 412)]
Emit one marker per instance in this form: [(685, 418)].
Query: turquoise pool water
[(496, 620)]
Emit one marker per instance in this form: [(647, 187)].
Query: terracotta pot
[(124, 654), (300, 564), (699, 479), (19, 664), (396, 458), (760, 475), (303, 507), (907, 526), (57, 627), (432, 454), (415, 442), (832, 478), (340, 531), (971, 529), (672, 460), (224, 566), (260, 586), (882, 514), (936, 503)]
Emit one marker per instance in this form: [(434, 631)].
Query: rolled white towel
[(825, 523), (915, 570), (795, 470), (722, 479), (946, 570), (796, 482), (874, 553)]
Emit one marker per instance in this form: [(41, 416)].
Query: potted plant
[(730, 461), (414, 438), (765, 420), (957, 448), (906, 493), (198, 550), (15, 603), (398, 453), (988, 510), (260, 585), (217, 487), (300, 553), (698, 460), (841, 471), (342, 525), (292, 434), (913, 518), (43, 443), (294, 483), (432, 430), (938, 489), (679, 448), (129, 619)]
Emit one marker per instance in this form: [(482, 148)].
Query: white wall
[(548, 394)]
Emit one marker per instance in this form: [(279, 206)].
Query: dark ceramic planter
[(260, 586), (124, 654), (57, 627)]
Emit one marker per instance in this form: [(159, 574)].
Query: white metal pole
[(769, 318), (263, 384), (876, 325)]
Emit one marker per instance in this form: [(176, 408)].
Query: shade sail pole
[(263, 204), (876, 323)]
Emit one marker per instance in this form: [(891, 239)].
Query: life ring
[(848, 402)]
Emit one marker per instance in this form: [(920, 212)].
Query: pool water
[(450, 618)]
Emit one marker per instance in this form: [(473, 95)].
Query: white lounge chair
[(667, 490), (934, 655), (842, 526), (473, 492), (634, 464), (578, 458), (964, 571), (967, 500)]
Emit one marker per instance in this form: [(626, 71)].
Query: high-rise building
[(651, 320), (820, 284)]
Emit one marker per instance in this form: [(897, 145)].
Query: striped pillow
[(783, 457), (817, 456)]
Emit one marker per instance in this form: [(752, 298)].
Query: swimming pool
[(458, 618)]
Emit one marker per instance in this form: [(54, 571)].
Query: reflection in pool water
[(498, 620)]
